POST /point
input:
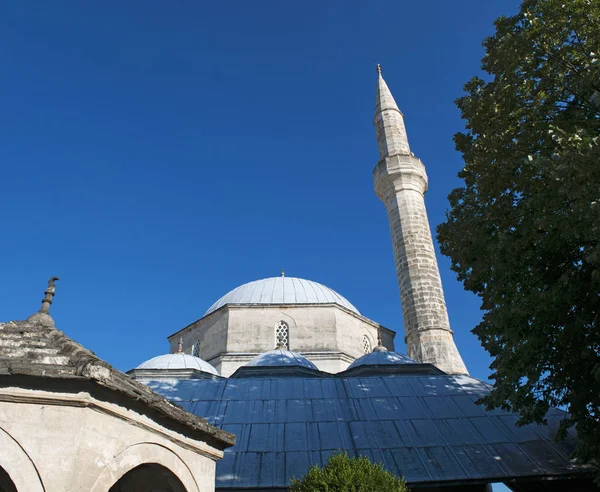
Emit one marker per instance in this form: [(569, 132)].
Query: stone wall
[(400, 182), (58, 442), (328, 335)]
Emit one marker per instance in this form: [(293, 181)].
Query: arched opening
[(6, 484), (282, 335), (148, 477)]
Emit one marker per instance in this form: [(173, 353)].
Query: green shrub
[(345, 474)]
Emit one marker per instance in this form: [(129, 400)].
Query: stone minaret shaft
[(400, 182)]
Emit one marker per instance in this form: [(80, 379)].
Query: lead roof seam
[(450, 447), (540, 436), (320, 287), (303, 290)]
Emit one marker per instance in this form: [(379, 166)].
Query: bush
[(345, 474)]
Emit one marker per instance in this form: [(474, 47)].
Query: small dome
[(381, 358), (282, 290), (279, 358), (178, 361)]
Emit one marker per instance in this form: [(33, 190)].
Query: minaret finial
[(378, 69), (49, 294), (282, 272), (180, 346)]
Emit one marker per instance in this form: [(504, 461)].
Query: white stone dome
[(382, 358), (281, 358), (178, 361), (282, 290)]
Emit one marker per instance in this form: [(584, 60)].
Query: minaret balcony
[(397, 173)]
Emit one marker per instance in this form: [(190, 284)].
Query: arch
[(146, 453), (148, 476), (196, 348), (366, 345), (6, 483), (282, 335), (18, 465)]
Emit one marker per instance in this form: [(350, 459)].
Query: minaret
[(400, 182)]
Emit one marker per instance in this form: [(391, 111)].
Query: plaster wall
[(329, 336), (74, 443), (209, 332)]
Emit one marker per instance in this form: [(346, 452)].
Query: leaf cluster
[(523, 232), (344, 474)]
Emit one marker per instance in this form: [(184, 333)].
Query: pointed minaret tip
[(389, 122)]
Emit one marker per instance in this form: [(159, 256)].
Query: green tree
[(345, 474), (523, 232)]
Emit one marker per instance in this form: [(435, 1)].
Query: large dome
[(282, 290)]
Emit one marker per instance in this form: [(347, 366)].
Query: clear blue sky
[(157, 154)]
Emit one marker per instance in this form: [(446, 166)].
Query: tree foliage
[(345, 474), (524, 231)]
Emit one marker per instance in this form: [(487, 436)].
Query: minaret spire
[(400, 182), (389, 122)]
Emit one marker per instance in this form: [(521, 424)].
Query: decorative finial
[(282, 272), (180, 346), (47, 300), (43, 317), (378, 69), (280, 345), (380, 347)]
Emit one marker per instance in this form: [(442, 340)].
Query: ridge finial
[(380, 347), (49, 294), (43, 315), (282, 272)]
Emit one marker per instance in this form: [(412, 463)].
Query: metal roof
[(178, 361), (427, 429), (282, 290), (383, 357), (281, 358)]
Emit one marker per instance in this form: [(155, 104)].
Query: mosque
[(276, 376)]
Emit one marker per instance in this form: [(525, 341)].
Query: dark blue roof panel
[(425, 428)]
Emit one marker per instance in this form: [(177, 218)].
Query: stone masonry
[(400, 182)]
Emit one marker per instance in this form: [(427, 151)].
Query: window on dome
[(196, 349), (282, 335), (366, 345)]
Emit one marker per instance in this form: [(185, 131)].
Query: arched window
[(366, 345), (196, 349), (282, 335)]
